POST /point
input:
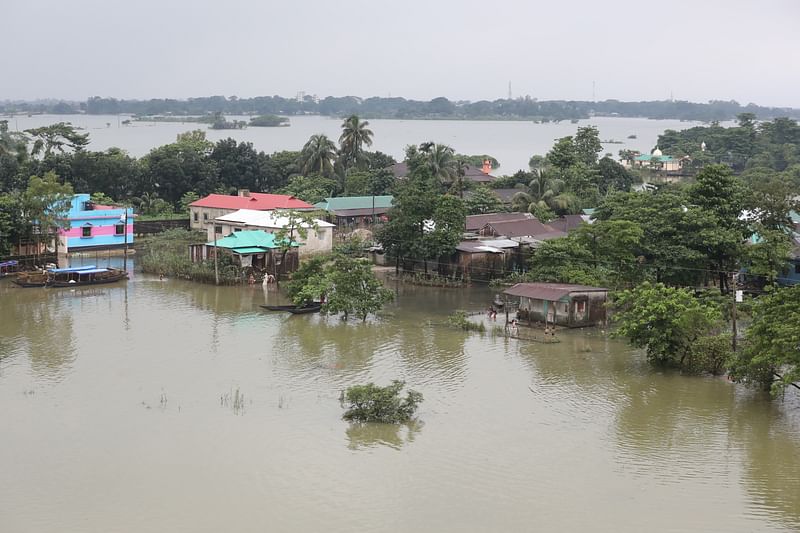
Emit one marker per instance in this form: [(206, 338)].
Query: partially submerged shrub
[(371, 403), (459, 320)]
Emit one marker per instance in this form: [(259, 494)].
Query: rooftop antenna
[(509, 90)]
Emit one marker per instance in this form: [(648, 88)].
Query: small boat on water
[(296, 309), (79, 276), (31, 279), (498, 302)]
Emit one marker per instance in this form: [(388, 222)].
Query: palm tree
[(318, 154), (545, 192), (441, 161), (355, 135)]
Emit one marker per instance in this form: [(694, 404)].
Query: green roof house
[(349, 212), (256, 249)]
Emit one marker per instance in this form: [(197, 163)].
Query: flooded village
[(349, 267)]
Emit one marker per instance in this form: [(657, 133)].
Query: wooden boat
[(295, 309), (31, 279), (77, 277), (312, 308), (498, 302)]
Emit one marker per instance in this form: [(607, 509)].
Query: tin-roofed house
[(351, 212), (562, 304), (255, 249), (486, 259)]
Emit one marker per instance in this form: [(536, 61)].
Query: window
[(86, 231), (119, 229), (218, 229), (205, 216), (580, 306), (194, 215), (237, 229)]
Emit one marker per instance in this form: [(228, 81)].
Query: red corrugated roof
[(257, 200)]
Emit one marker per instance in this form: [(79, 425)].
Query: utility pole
[(734, 276), (124, 220), (216, 264)]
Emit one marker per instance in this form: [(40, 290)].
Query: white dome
[(656, 152)]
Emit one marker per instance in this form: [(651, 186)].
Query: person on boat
[(251, 280)]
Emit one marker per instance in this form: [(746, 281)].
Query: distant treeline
[(401, 108)]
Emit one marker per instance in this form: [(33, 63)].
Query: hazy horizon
[(574, 50)]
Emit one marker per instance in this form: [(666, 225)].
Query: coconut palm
[(318, 154), (441, 161), (355, 135)]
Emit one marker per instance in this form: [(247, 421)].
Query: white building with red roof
[(205, 210)]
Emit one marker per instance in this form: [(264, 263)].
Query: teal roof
[(648, 157), (795, 216), (588, 211), (248, 242), (354, 202)]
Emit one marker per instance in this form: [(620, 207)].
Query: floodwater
[(154, 406), (512, 143)]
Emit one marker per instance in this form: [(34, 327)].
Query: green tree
[(318, 155), (57, 137), (348, 286), (311, 189), (187, 199), (483, 200), (297, 224), (771, 355), (100, 198), (449, 217), (371, 403), (563, 154), (612, 176), (441, 161), (355, 136), (587, 145), (174, 169), (769, 256), (666, 321), (720, 199), (46, 204)]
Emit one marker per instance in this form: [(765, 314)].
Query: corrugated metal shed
[(551, 292)]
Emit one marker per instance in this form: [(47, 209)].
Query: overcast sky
[(696, 50)]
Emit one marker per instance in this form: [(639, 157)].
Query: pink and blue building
[(96, 227)]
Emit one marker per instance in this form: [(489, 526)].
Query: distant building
[(475, 223), (95, 227), (205, 210), (486, 259), (561, 304), (350, 212), (657, 161), (246, 220), (471, 172), (529, 231)]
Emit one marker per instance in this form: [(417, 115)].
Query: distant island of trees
[(401, 108)]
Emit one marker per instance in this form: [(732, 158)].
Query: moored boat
[(79, 276), (31, 279), (295, 309)]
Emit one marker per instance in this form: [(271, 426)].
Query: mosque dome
[(656, 152)]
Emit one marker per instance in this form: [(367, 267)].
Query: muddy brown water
[(171, 406)]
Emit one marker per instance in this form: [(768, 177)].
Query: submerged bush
[(459, 320), (371, 403)]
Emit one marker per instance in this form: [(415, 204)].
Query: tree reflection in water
[(371, 435)]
